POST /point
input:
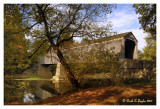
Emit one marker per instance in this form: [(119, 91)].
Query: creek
[(28, 91)]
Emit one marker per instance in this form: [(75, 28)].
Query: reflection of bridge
[(125, 44)]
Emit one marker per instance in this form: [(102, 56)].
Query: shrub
[(95, 60)]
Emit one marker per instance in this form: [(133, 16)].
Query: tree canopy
[(147, 17), (15, 44), (76, 20), (59, 23), (52, 26), (147, 20)]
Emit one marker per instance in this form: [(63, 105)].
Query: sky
[(124, 19)]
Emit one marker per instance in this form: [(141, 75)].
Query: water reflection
[(29, 98), (27, 91)]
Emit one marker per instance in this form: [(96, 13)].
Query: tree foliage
[(147, 17), (147, 20), (65, 21), (59, 23), (149, 52), (96, 60), (15, 44)]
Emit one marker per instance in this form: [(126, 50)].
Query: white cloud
[(126, 20), (123, 19), (77, 39)]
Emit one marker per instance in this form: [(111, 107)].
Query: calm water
[(27, 91)]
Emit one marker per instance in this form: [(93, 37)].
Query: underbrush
[(95, 80), (139, 81)]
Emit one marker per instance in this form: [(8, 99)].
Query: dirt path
[(126, 95)]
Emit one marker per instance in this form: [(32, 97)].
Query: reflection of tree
[(29, 98), (16, 91), (13, 91), (30, 91), (25, 91), (29, 86)]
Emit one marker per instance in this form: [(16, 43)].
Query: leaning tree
[(50, 23)]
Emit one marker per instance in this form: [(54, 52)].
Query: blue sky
[(124, 16), (125, 19)]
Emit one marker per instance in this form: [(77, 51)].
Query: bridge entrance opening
[(129, 49)]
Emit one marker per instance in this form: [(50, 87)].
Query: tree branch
[(18, 32), (33, 25), (38, 48), (49, 49), (45, 7), (42, 15), (65, 39), (72, 33), (71, 21), (80, 24)]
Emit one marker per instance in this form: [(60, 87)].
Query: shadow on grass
[(148, 97), (106, 96)]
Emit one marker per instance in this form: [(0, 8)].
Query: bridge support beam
[(62, 84)]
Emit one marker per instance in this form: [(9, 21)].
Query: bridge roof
[(122, 35), (114, 36)]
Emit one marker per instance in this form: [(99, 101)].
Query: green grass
[(18, 76), (34, 79)]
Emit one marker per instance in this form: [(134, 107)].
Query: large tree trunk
[(68, 71)]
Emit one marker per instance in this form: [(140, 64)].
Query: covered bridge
[(126, 44)]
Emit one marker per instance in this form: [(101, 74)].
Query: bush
[(95, 80), (96, 60)]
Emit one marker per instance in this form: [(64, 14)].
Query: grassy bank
[(26, 77), (34, 79)]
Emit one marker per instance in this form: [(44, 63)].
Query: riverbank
[(134, 92), (126, 95)]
